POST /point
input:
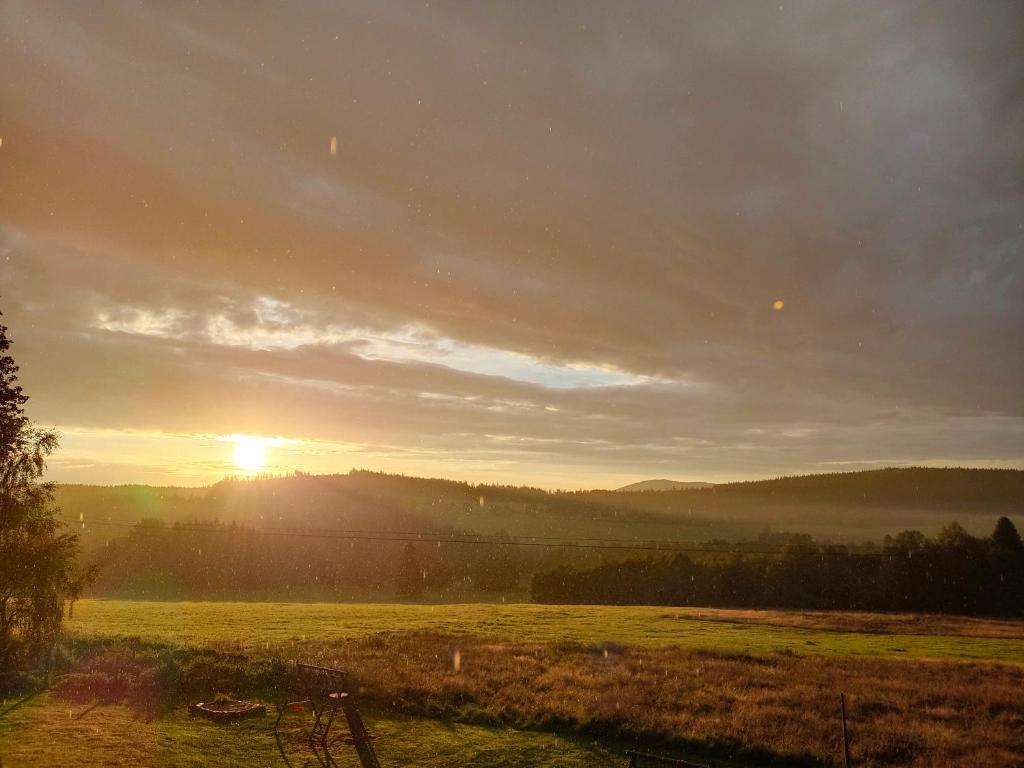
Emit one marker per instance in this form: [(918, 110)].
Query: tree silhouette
[(1005, 535), (38, 559), (12, 400), (410, 580)]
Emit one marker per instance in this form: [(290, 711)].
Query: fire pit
[(224, 708)]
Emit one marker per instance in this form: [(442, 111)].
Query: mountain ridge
[(661, 484)]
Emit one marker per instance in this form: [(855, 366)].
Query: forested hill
[(954, 488), (849, 503), (845, 505)]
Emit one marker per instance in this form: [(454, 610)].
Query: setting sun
[(250, 454)]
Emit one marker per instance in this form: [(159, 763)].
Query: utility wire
[(471, 539)]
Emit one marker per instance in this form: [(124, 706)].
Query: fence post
[(846, 735)]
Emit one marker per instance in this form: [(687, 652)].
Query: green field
[(250, 625)]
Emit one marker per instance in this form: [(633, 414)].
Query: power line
[(496, 537), (667, 546)]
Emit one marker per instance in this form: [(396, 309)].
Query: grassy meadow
[(250, 625), (534, 685)]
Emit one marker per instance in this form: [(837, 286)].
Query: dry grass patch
[(779, 708)]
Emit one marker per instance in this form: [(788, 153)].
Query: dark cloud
[(565, 196)]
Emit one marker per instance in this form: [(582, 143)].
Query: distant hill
[(368, 501), (853, 505), (248, 546), (664, 485)]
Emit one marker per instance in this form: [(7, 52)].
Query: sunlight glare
[(250, 455)]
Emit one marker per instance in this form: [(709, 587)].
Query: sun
[(250, 455)]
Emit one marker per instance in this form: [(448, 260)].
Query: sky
[(566, 244)]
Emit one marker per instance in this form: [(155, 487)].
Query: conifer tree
[(39, 573), (1005, 535)]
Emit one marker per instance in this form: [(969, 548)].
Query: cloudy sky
[(520, 242)]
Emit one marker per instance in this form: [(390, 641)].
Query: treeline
[(952, 573), (218, 561)]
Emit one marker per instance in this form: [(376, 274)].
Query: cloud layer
[(546, 244)]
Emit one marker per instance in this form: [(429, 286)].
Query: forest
[(953, 572), (227, 561)]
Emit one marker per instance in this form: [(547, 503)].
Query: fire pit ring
[(224, 708)]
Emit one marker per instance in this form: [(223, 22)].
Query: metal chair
[(322, 687)]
